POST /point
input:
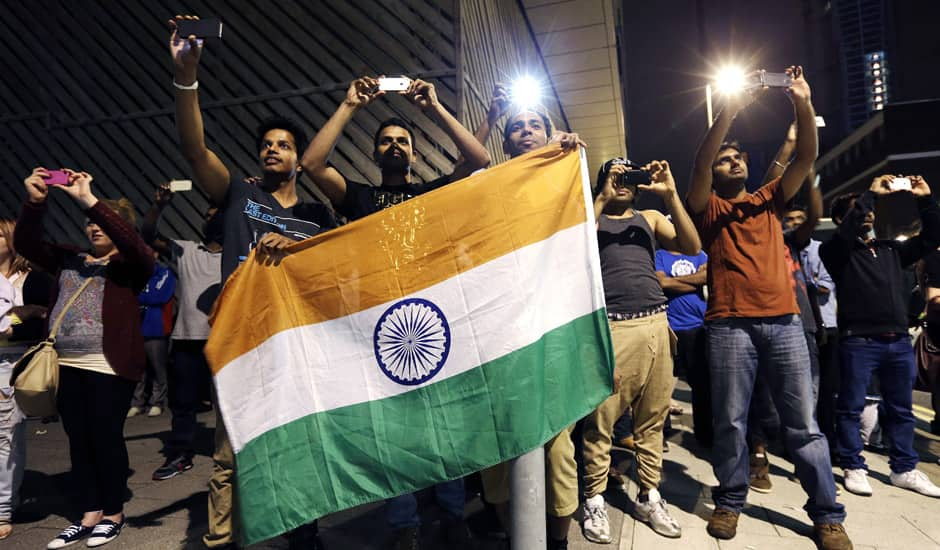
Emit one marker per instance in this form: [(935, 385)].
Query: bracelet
[(778, 163), (192, 86)]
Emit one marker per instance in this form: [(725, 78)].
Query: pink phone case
[(57, 177)]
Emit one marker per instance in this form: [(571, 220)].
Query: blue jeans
[(402, 511), (893, 360), (737, 348)]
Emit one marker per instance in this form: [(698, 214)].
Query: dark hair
[(605, 169), (546, 120), (731, 144), (841, 204), (793, 205), (393, 122), (282, 123)]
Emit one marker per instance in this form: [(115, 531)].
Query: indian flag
[(428, 341)]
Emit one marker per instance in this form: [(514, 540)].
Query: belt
[(636, 315)]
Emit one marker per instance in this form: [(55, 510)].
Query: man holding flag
[(379, 374)]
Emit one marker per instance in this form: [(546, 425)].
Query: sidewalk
[(172, 514)]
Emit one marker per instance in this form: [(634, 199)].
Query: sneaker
[(155, 410), (173, 467), (104, 532), (916, 481), (723, 524), (760, 473), (856, 482), (831, 536), (653, 512), (134, 411), (69, 536), (406, 538), (596, 525)]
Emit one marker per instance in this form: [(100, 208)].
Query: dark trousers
[(93, 407), (828, 386), (893, 360), (692, 360), (187, 369)]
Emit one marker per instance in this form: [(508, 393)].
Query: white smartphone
[(394, 84), (181, 185), (900, 184)]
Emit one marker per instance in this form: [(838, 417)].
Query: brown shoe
[(760, 473), (831, 536), (723, 524)]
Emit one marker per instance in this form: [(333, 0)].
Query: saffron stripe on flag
[(328, 462)]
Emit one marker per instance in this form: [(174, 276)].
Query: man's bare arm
[(208, 171), (806, 137), (784, 154)]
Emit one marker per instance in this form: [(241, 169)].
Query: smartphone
[(394, 84), (181, 185), (636, 177), (763, 79), (57, 177), (201, 28), (900, 184)]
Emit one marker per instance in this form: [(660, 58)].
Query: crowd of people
[(727, 288)]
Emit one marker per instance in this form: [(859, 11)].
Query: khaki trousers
[(221, 490), (561, 477), (643, 350)]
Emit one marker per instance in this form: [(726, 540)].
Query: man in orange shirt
[(752, 318)]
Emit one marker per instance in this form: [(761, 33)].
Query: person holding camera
[(873, 327), (752, 317), (101, 353), (643, 343), (265, 217), (393, 150)]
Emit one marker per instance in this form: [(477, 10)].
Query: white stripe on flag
[(493, 309)]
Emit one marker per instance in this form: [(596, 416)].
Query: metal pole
[(527, 486), (708, 104)]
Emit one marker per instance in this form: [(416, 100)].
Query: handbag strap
[(68, 304)]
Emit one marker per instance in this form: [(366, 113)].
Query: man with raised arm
[(267, 217), (752, 317), (394, 151)]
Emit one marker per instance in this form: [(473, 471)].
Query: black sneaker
[(104, 532), (406, 538), (69, 536), (173, 467)]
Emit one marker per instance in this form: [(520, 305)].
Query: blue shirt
[(817, 276), (154, 297), (686, 311)]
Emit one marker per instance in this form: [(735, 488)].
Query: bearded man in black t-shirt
[(393, 151)]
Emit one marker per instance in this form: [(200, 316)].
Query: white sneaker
[(654, 513), (155, 411), (596, 525), (856, 482), (133, 411), (104, 532), (916, 481)]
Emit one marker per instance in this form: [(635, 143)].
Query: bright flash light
[(525, 92), (730, 80)]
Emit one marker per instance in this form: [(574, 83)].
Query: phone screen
[(200, 28), (57, 177), (394, 84)]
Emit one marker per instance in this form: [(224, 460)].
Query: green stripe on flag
[(332, 461)]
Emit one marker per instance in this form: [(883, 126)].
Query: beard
[(388, 162)]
